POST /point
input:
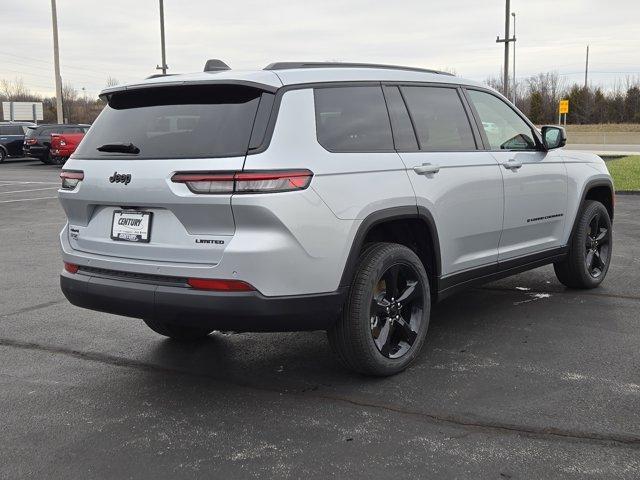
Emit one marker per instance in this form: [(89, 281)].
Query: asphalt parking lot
[(518, 379)]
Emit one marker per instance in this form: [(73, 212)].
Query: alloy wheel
[(396, 310), (597, 245)]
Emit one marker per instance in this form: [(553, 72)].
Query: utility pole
[(506, 41), (164, 58), (586, 69), (514, 88), (56, 63)]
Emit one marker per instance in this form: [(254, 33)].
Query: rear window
[(352, 119), (176, 122), (31, 133), (11, 130)]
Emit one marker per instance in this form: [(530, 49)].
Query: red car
[(63, 145)]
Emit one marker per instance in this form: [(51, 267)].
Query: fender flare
[(599, 182), (385, 215)]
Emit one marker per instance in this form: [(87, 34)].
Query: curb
[(627, 192)]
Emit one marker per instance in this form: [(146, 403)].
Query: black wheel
[(177, 332), (385, 319), (3, 155), (590, 249)]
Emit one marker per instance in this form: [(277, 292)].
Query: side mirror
[(553, 137)]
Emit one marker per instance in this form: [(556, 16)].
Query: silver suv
[(338, 197)]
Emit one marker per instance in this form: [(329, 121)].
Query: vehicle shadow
[(303, 361)]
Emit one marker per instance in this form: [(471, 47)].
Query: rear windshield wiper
[(119, 148)]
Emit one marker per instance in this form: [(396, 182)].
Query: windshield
[(174, 122)]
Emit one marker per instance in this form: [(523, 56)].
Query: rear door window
[(404, 136), (194, 121), (352, 119), (439, 118)]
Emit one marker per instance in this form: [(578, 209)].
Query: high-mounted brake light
[(245, 182), (219, 285), (71, 178)]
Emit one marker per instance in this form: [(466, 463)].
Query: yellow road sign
[(564, 106)]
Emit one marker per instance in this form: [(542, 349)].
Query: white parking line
[(26, 199), (13, 182), (30, 190)]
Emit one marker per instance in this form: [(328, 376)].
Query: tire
[(178, 332), (47, 159), (59, 160), (374, 335), (590, 248), (3, 155)]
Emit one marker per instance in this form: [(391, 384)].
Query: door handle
[(512, 164), (426, 168)]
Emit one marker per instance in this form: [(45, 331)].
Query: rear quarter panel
[(346, 188)]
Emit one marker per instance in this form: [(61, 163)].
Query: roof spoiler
[(215, 65)]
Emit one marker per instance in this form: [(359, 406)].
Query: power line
[(65, 65)]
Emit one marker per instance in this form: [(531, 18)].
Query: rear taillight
[(219, 285), (245, 182), (30, 141), (71, 267), (71, 179)]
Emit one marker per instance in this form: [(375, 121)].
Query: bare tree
[(15, 90), (112, 82)]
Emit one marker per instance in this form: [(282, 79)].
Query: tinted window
[(176, 122), (404, 137), (504, 128), (352, 119), (439, 118), (11, 130)]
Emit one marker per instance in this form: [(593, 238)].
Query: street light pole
[(506, 40), (56, 63), (514, 88), (164, 60)]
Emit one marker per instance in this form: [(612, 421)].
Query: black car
[(12, 138), (37, 143)]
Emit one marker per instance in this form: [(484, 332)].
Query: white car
[(305, 196)]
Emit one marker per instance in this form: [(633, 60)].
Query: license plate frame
[(132, 233)]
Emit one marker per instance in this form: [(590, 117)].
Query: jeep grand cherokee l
[(341, 197)]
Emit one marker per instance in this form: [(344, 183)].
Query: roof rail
[(158, 75), (291, 65), (215, 65)]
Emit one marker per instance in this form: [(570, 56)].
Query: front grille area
[(133, 277)]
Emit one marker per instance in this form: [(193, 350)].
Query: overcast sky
[(121, 38)]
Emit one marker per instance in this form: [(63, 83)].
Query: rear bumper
[(35, 152), (237, 311), (62, 152)]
